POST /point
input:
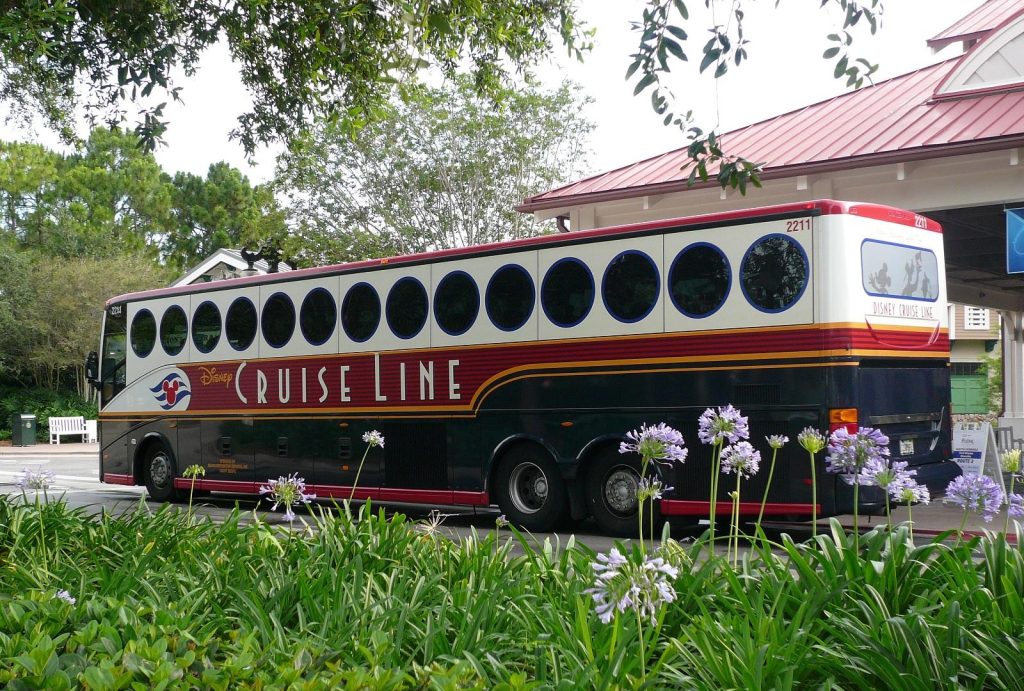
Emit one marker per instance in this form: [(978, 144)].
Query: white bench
[(66, 425)]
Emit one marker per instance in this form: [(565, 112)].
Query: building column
[(1013, 366)]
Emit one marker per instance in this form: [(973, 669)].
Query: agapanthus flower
[(811, 439), (1015, 506), (976, 494), (621, 584), (374, 438), (36, 479), (910, 492), (659, 443), (777, 441), (885, 474), (1010, 461), (724, 425), (431, 526), (651, 489), (287, 491), (849, 454), (741, 458), (65, 596), (501, 521)]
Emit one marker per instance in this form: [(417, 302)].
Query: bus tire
[(529, 489), (159, 471), (611, 485)]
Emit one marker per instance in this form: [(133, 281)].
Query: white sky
[(785, 72)]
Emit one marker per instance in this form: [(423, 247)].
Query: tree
[(301, 61), (220, 210), (444, 168)]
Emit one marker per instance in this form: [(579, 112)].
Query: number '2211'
[(798, 224)]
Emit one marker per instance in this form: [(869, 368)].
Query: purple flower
[(651, 489), (976, 494), (885, 474), (850, 454), (1016, 505), (65, 596), (777, 441), (727, 424), (287, 491), (659, 443), (36, 479), (741, 458), (620, 584), (811, 439), (910, 492)]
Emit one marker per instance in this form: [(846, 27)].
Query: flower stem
[(716, 457), (910, 520), (856, 505), (768, 485), (736, 521), (960, 533), (888, 514), (355, 484), (643, 651), (1006, 521), (814, 499)]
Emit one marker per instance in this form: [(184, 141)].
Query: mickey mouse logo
[(172, 390)]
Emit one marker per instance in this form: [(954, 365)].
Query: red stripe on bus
[(682, 507), (115, 479), (413, 496)]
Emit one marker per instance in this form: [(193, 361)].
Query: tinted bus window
[(206, 327), (173, 330), (773, 274), (891, 270), (112, 370), (630, 287), (143, 333), (510, 297), (567, 293), (699, 279), (278, 320), (407, 307), (456, 303), (318, 316), (360, 312), (240, 324)]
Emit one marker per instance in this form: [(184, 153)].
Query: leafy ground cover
[(161, 600)]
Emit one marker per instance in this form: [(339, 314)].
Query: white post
[(1013, 370)]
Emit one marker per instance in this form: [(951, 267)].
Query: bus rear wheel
[(612, 482), (529, 489), (159, 471)]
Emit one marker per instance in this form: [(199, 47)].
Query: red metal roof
[(895, 120), (978, 23)]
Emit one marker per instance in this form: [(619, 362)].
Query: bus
[(507, 374)]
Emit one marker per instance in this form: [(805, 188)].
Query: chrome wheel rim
[(528, 488), (620, 487)]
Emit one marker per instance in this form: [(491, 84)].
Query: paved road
[(77, 481)]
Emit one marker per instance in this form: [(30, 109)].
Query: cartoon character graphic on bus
[(172, 390)]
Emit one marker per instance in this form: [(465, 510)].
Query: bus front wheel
[(159, 470), (612, 482), (529, 489)]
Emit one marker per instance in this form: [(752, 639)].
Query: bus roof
[(822, 207)]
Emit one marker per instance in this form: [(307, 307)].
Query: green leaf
[(710, 58), (674, 48), (647, 80), (840, 69), (830, 53), (676, 31)]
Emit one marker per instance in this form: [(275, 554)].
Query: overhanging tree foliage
[(443, 168)]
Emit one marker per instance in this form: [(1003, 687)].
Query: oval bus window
[(630, 286), (318, 316), (206, 327), (699, 280), (407, 307), (456, 303), (360, 312), (278, 320), (173, 330), (240, 324), (143, 333), (773, 274), (510, 297), (567, 293)]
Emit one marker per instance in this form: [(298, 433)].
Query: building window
[(240, 323), (510, 297), (317, 316), (699, 280), (976, 318), (360, 312)]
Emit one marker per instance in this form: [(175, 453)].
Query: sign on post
[(974, 448)]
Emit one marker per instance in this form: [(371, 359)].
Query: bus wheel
[(612, 482), (159, 471), (529, 488)]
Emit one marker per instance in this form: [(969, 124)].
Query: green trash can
[(23, 430)]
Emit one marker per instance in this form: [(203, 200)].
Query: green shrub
[(44, 404)]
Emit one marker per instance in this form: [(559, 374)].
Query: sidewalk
[(45, 449)]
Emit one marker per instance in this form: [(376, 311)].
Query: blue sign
[(1014, 241)]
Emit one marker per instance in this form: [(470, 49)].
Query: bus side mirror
[(92, 368)]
